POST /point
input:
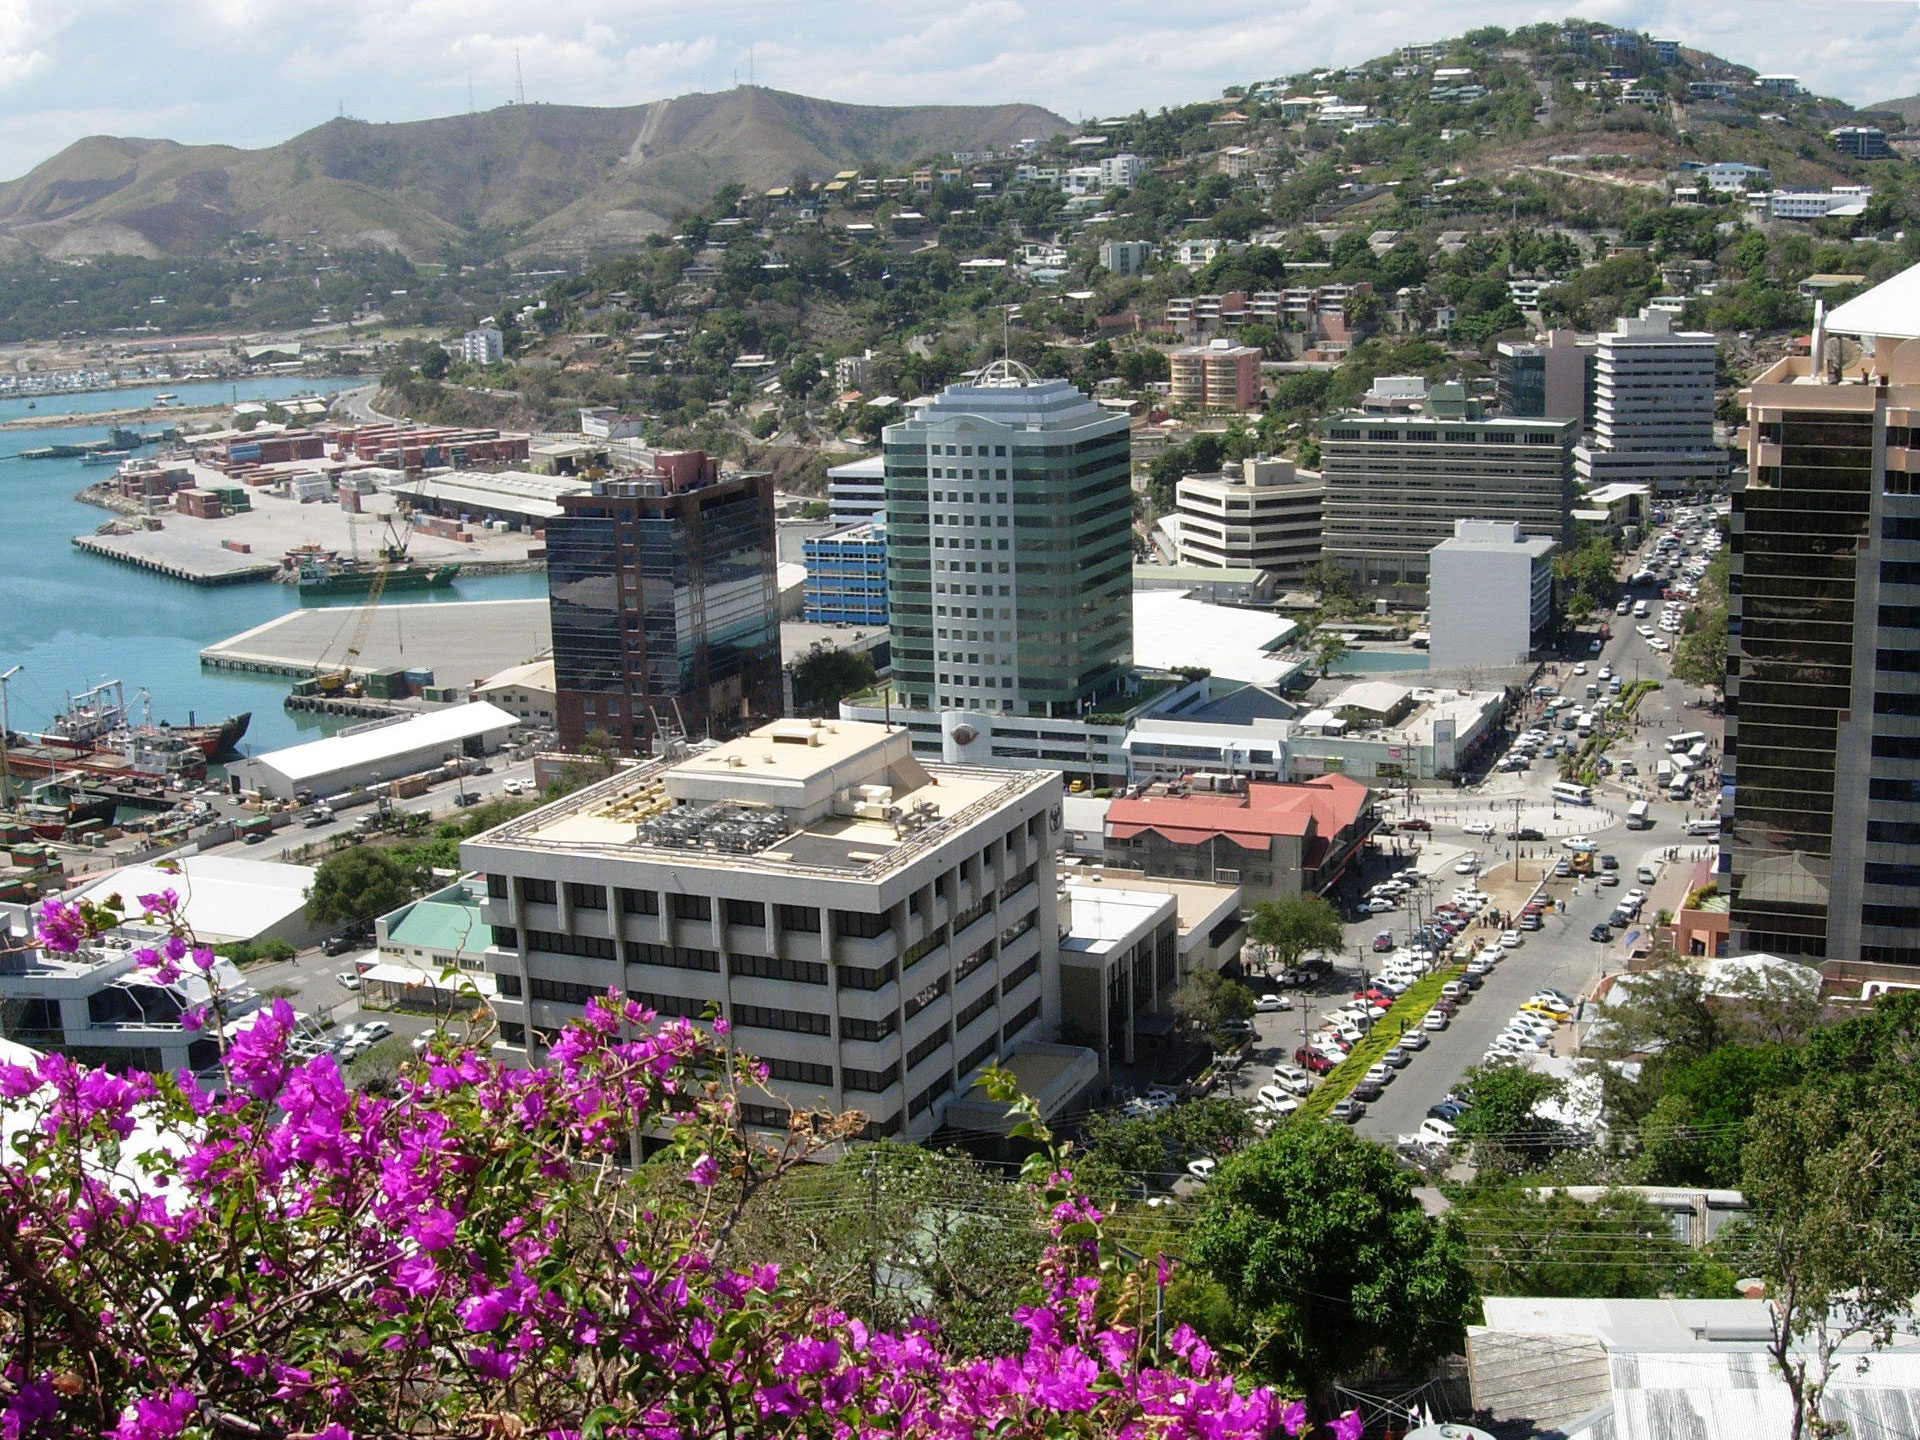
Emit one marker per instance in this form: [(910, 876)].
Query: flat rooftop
[(1172, 629), (841, 797), (461, 641)]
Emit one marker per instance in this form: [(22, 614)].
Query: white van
[(1639, 609), (1678, 789), (1703, 828)]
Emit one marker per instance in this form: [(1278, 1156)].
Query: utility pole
[(6, 763)]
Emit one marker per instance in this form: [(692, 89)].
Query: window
[(767, 967), (921, 948), (1020, 1022), (1020, 976), (801, 1072), (747, 912), (497, 887), (869, 1030), (924, 1100), (590, 947), (856, 924), (860, 977), (507, 984), (586, 897), (927, 1047), (639, 902), (763, 1017), (539, 892), (685, 1006), (928, 994), (564, 992), (803, 918), (506, 937), (974, 1011), (767, 1117), (692, 907), (677, 957), (512, 1032), (870, 1082)]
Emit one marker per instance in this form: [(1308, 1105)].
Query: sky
[(254, 72)]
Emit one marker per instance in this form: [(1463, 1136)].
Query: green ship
[(347, 577)]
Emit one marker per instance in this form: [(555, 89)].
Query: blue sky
[(253, 72)]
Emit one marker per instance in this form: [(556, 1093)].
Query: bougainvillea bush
[(278, 1255)]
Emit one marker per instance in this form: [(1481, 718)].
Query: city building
[(1379, 730), (1547, 379), (1266, 517), (1799, 203), (1820, 807), (1121, 172), (1273, 841), (604, 422), (481, 346), (1396, 482), (1731, 176), (418, 945), (874, 929), (857, 491), (379, 751), (1785, 86), (525, 692), (1653, 403), (665, 605), (1010, 548), (1217, 376), (1666, 52), (1490, 595), (224, 899), (847, 577), (1125, 257), (1863, 142)]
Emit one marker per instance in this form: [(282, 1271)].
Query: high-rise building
[(1653, 409), (665, 605), (1490, 595), (1396, 482), (1548, 379), (482, 345), (1010, 548), (847, 577), (1821, 812), (1264, 517), (857, 491), (1863, 142), (1216, 376), (874, 929)]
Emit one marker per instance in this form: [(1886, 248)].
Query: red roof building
[(1272, 840)]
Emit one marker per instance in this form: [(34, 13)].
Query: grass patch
[(1631, 697), (1411, 1007)]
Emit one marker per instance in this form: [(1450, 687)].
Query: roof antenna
[(519, 81)]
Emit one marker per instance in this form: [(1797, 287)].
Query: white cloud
[(253, 72)]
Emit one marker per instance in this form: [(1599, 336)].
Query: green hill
[(553, 177)]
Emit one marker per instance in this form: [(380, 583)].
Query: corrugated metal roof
[(384, 742)]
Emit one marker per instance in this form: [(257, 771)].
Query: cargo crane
[(331, 680)]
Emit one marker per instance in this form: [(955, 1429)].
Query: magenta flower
[(705, 1172), (1349, 1426), (60, 927), (156, 1417), (1293, 1419)]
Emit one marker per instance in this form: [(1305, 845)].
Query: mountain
[(1907, 109), (561, 178)]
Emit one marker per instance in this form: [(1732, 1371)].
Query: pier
[(203, 571), (459, 640)]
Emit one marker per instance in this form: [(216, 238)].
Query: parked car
[(1611, 862), (1414, 822), (377, 1030), (1368, 1090), (1600, 933), (349, 978), (339, 944), (1202, 1169), (1313, 1060), (1347, 1111), (1269, 1004), (1525, 832), (1435, 1019), (1413, 1040), (1383, 942)]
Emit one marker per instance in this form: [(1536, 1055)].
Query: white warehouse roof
[(1172, 629), (224, 897), (377, 743)]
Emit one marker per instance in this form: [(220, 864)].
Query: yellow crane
[(330, 680)]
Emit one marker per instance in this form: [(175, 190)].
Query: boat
[(96, 721), (104, 457), (51, 820), (166, 397), (349, 577)]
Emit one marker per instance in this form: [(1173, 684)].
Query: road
[(358, 404), (1559, 955)]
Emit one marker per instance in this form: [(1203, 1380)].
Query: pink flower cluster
[(298, 1257)]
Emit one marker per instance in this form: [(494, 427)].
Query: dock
[(210, 569), (460, 640)]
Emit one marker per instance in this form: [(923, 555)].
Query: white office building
[(857, 491), (876, 929), (1653, 409), (1266, 517), (1490, 595), (482, 345)]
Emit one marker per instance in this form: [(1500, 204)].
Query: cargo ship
[(322, 578), (95, 722)]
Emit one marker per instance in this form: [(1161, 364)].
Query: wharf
[(459, 640), (218, 567)]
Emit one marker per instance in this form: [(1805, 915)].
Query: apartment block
[(1653, 409), (1266, 516), (1490, 595), (1125, 257), (481, 346), (665, 606), (876, 930), (847, 577), (1395, 483), (1863, 142), (1009, 548), (1821, 808), (857, 491), (1220, 376)]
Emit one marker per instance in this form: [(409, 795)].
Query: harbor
[(459, 641)]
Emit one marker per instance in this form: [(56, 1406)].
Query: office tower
[(1217, 376), (847, 577), (875, 929), (1397, 482), (1548, 379), (1822, 806), (1010, 548), (1653, 409), (1263, 516), (1490, 595), (665, 610)]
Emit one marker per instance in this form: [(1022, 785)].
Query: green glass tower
[(1010, 551)]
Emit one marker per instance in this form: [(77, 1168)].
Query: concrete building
[(847, 577), (1863, 142), (383, 750), (1728, 177), (1009, 548), (524, 501), (1273, 841), (1121, 172), (1267, 517), (424, 939), (874, 929), (1125, 257), (857, 491), (525, 692), (1653, 409), (665, 605), (1169, 747), (481, 346), (225, 898), (1395, 483), (1546, 379), (1378, 730), (1820, 808), (1218, 376), (1799, 203), (1490, 595)]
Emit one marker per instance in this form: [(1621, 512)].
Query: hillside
[(1908, 109), (559, 178)]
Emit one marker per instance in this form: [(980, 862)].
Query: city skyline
[(242, 72)]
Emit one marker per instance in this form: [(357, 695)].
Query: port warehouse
[(375, 754), (224, 898)]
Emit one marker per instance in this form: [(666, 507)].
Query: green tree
[(1329, 648), (1503, 1121), (1319, 1241), (1533, 1241), (1832, 1170), (826, 675), (435, 363), (1662, 1011), (1207, 1000), (1294, 926), (358, 884), (1695, 1130)]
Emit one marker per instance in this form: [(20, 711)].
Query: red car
[(1312, 1060), (1378, 997), (1414, 823)]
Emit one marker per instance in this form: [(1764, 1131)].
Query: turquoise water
[(71, 620), (1375, 662)]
